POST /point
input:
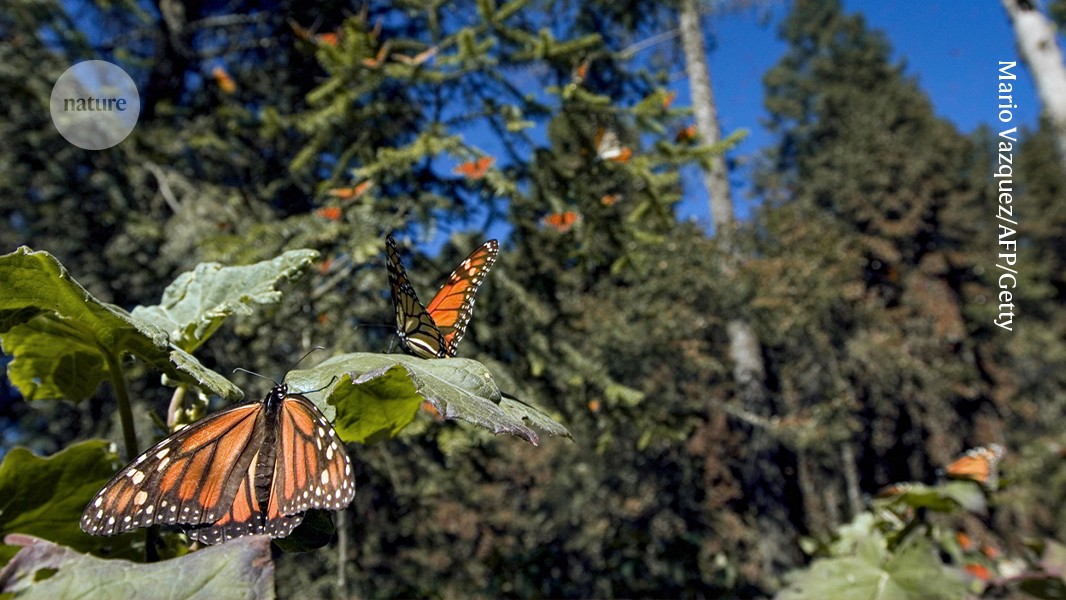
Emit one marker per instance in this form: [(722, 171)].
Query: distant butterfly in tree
[(435, 331), (250, 469), (561, 221), (608, 146), (978, 464), (475, 169)]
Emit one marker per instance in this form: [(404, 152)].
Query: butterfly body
[(434, 331), (246, 470)]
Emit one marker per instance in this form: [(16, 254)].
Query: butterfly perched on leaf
[(475, 169), (434, 331), (561, 221), (978, 464), (251, 469), (608, 146)]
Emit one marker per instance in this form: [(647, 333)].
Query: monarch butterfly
[(350, 193), (978, 464), (608, 147), (668, 99), (581, 72), (435, 331), (686, 135), (250, 469), (475, 169), (561, 222), (333, 213), (224, 80)]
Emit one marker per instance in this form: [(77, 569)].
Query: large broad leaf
[(238, 569), (872, 573), (378, 395), (196, 304), (63, 339), (45, 497)]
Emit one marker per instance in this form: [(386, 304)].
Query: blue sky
[(952, 48)]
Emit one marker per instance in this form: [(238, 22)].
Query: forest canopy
[(809, 402)]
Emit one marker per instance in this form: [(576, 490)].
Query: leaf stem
[(122, 396)]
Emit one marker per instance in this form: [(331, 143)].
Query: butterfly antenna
[(254, 373), (315, 349), (323, 387)]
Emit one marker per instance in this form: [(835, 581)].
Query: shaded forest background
[(867, 275)]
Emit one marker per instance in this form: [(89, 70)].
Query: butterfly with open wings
[(251, 469), (434, 331)]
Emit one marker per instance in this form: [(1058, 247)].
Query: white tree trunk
[(1035, 36)]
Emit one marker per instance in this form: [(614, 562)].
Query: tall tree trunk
[(1040, 50), (764, 477)]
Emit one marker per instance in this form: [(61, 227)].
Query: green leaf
[(376, 407), (46, 496), (196, 304), (239, 569), (533, 415), (458, 388), (872, 573), (62, 338)]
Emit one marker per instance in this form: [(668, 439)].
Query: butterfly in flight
[(435, 331), (475, 169), (978, 464), (561, 221), (250, 469)]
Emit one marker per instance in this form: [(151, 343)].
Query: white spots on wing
[(100, 514), (347, 468), (163, 463), (136, 476), (111, 521), (162, 453), (140, 498), (329, 451), (148, 510), (325, 477)]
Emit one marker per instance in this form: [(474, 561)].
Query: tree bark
[(764, 478), (1040, 51)]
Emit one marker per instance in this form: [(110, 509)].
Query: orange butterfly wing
[(415, 327), (475, 169), (313, 469), (561, 222), (978, 464), (453, 305), (190, 477)]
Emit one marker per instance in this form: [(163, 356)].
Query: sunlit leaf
[(198, 301), (458, 388), (239, 569), (62, 337)]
